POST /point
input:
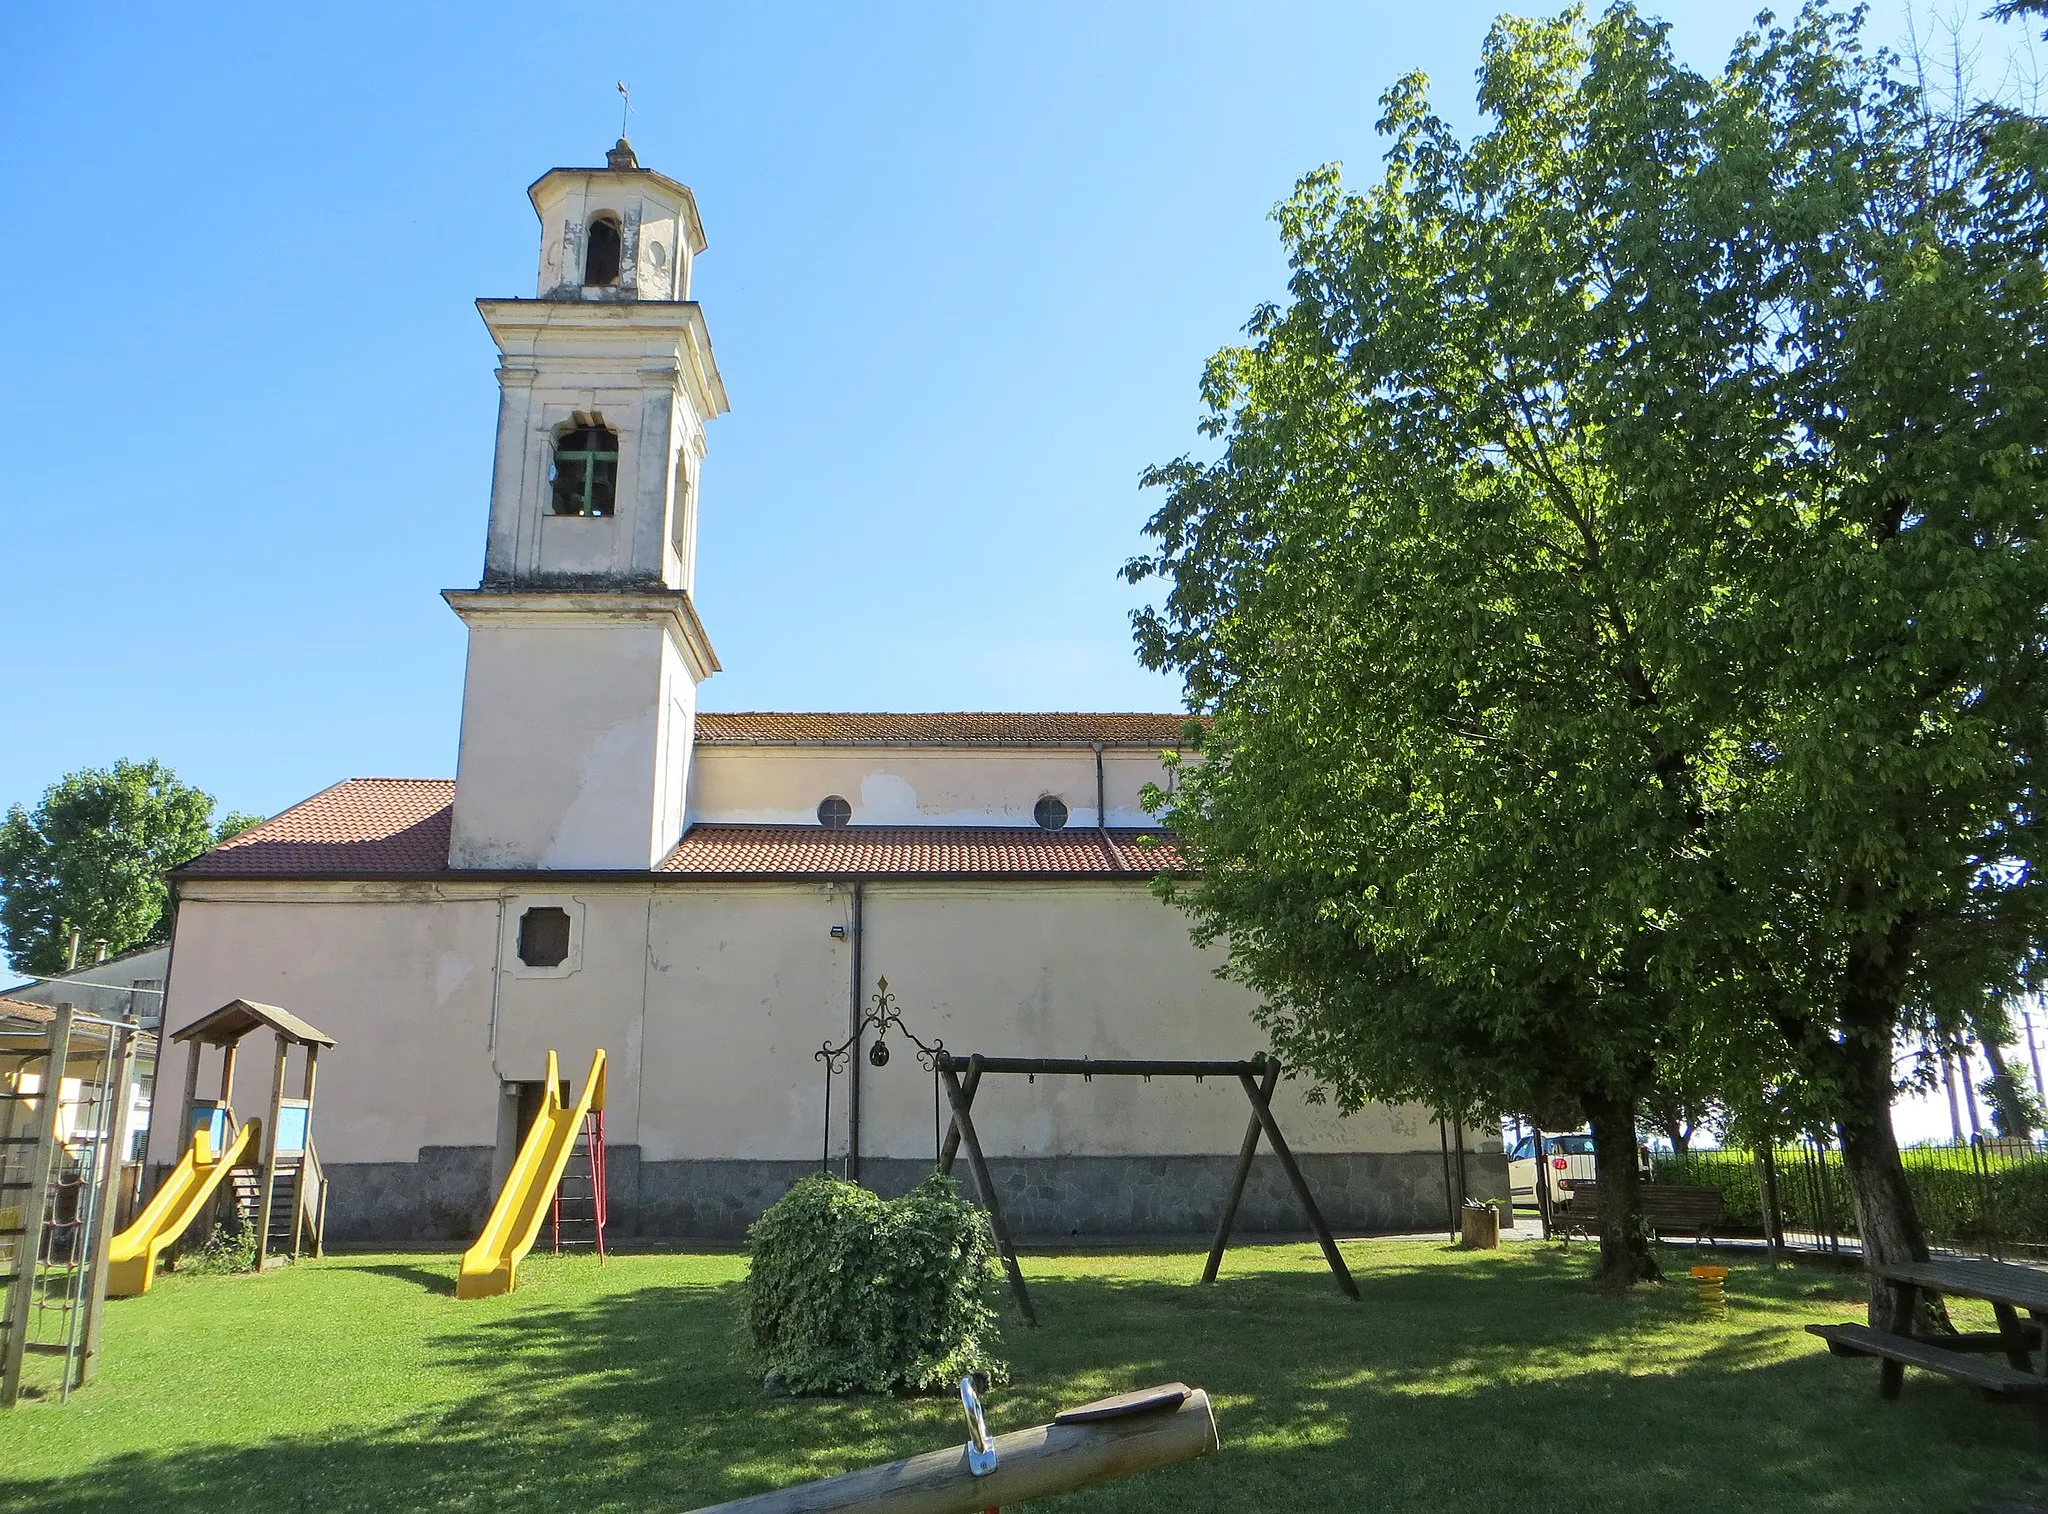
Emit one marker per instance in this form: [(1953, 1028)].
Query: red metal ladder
[(580, 1196)]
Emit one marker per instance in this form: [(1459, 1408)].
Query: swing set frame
[(962, 1076)]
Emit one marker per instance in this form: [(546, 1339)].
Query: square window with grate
[(544, 936)]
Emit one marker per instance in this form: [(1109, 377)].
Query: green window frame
[(585, 475)]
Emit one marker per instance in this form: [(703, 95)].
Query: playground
[(1461, 1380)]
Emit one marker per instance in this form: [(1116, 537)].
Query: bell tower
[(585, 651)]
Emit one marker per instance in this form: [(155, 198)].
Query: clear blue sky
[(966, 262)]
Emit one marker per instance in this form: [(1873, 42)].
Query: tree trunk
[(1948, 1082), (2009, 1113), (1885, 1216), (1625, 1257)]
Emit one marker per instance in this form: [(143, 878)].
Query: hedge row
[(1963, 1198)]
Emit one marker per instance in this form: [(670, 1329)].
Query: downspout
[(1102, 812), (853, 1016), (497, 971)]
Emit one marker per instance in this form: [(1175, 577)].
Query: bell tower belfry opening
[(585, 650)]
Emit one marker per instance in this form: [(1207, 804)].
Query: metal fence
[(1977, 1198)]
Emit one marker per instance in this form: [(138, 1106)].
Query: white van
[(1567, 1162)]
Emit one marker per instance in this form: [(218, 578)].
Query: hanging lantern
[(878, 1054)]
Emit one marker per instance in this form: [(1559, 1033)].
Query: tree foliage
[(1619, 594), (92, 856)]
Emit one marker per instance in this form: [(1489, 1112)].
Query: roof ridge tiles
[(940, 727)]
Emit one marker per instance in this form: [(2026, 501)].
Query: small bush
[(848, 1293), (231, 1248)]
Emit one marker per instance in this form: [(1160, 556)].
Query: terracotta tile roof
[(372, 826), (398, 828), (918, 851), (957, 728), (21, 1009)]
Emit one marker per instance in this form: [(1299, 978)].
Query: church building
[(714, 897)]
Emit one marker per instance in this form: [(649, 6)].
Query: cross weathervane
[(625, 108)]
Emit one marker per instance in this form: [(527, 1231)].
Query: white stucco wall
[(656, 250), (781, 785), (644, 370), (402, 983), (710, 1001), (573, 737)]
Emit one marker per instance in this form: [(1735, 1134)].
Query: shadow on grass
[(1469, 1385), (432, 1279)]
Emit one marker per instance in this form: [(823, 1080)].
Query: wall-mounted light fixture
[(838, 933)]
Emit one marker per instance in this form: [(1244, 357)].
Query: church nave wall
[(769, 785), (711, 1000)]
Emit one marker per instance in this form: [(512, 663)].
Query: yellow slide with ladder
[(491, 1266), (132, 1257)]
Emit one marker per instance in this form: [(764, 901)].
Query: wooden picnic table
[(1962, 1277), (2007, 1288)]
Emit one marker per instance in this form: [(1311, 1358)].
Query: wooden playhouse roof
[(236, 1018)]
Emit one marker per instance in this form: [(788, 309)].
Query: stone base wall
[(445, 1196)]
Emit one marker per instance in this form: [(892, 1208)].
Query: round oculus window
[(1050, 813), (834, 812)]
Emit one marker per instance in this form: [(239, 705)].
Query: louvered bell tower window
[(586, 472)]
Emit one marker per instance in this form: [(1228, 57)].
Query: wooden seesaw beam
[(1035, 1463)]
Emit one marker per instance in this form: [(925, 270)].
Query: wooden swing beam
[(1258, 1078)]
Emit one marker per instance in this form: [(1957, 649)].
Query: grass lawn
[(1487, 1381)]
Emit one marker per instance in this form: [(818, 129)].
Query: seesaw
[(1110, 1438)]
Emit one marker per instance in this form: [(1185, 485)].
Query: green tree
[(1618, 597), (92, 856), (2015, 1111), (1684, 1096)]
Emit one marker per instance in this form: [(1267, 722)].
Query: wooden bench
[(1995, 1380), (1666, 1207), (1580, 1217)]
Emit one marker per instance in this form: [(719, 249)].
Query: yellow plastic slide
[(131, 1259), (491, 1266)]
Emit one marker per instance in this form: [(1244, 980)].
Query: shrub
[(1733, 1172), (847, 1292), (231, 1248), (2019, 1195), (1963, 1197)]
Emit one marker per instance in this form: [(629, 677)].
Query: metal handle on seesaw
[(981, 1451)]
